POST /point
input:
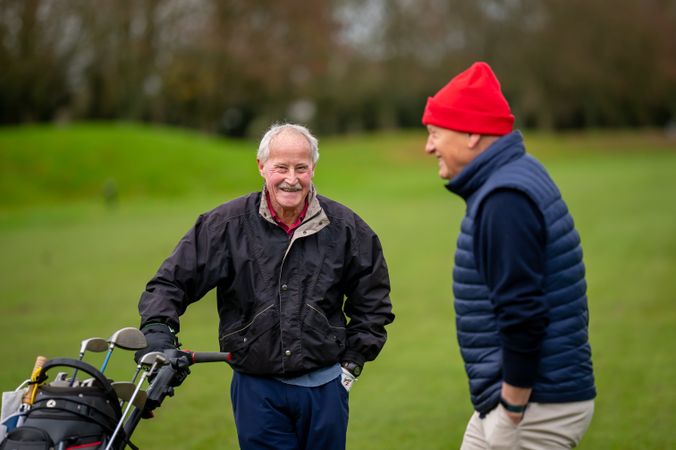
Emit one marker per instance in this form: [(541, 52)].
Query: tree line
[(232, 66)]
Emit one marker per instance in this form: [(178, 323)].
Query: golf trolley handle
[(161, 386), (204, 357)]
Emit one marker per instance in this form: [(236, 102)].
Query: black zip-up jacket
[(282, 302)]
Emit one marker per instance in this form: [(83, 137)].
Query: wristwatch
[(518, 409), (352, 367)]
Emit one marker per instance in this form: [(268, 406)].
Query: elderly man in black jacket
[(290, 268)]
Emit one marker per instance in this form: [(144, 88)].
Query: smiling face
[(453, 149), (288, 173)]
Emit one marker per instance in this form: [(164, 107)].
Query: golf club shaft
[(107, 358), (129, 405), (72, 379), (136, 372)]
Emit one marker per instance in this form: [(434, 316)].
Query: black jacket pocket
[(323, 342), (253, 344)]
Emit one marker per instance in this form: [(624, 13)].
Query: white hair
[(276, 129)]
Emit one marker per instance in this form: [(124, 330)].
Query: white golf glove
[(346, 379)]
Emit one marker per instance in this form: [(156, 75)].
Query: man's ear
[(473, 141), (260, 168)]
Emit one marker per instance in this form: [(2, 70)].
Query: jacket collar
[(506, 149), (312, 210), (315, 219)]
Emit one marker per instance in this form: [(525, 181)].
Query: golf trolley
[(95, 413)]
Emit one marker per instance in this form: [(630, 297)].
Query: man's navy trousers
[(270, 414)]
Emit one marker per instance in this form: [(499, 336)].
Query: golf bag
[(67, 414), (64, 416)]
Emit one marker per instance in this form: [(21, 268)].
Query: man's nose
[(291, 176), (429, 147)]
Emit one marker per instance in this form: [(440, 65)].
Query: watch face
[(353, 368)]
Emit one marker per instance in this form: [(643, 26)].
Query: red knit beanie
[(471, 102)]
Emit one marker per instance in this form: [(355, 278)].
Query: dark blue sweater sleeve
[(509, 245)]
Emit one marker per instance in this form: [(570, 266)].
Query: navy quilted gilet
[(565, 372)]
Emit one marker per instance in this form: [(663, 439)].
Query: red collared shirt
[(288, 229)]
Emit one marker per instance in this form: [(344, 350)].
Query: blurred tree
[(232, 67), (120, 56), (33, 55), (581, 66), (240, 61)]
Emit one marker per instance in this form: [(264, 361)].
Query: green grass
[(42, 164), (73, 268)]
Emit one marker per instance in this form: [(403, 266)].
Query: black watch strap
[(352, 367), (518, 409)]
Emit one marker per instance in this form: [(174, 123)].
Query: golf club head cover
[(159, 337)]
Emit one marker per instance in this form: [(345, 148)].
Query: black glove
[(159, 337)]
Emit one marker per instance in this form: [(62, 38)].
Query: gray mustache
[(291, 187)]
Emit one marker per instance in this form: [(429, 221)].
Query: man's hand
[(515, 396), (346, 379), (351, 372), (159, 337)]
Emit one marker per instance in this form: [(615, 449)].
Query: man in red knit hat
[(519, 279)]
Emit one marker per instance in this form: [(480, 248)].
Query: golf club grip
[(28, 396), (203, 357)]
